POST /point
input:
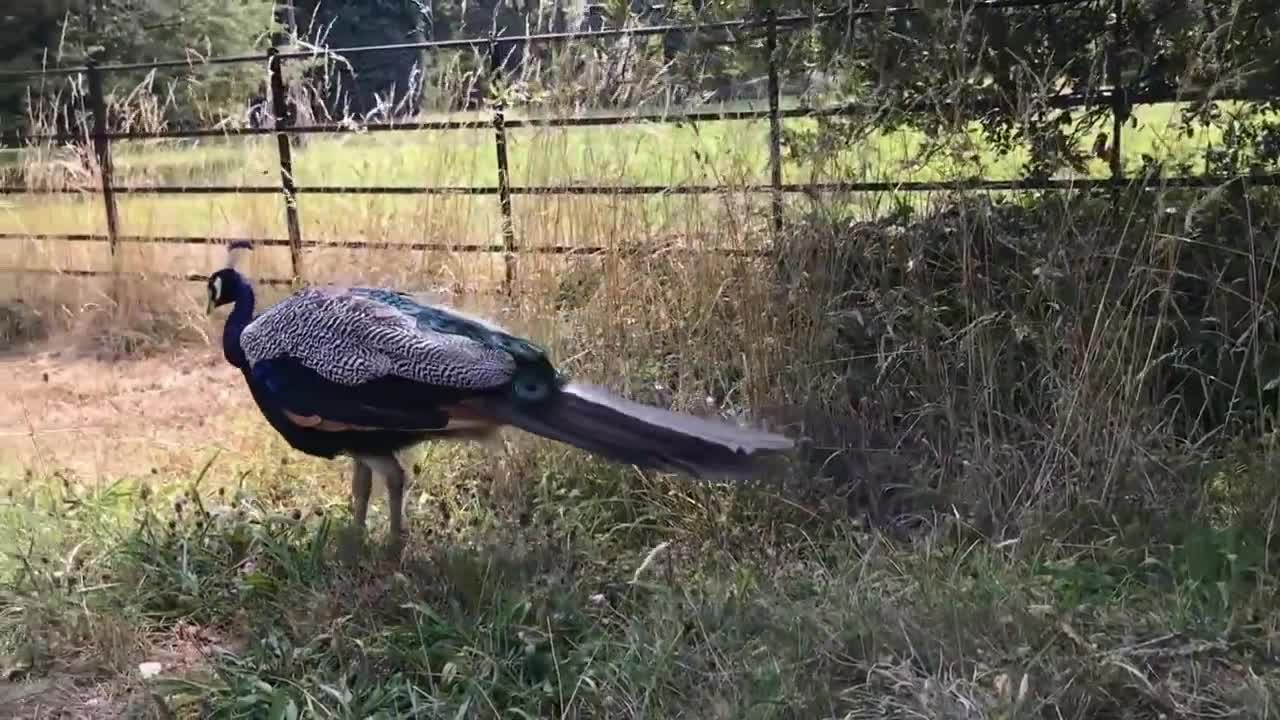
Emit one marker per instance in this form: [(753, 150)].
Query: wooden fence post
[(102, 151), (775, 122), (280, 110), (1119, 103), (504, 169)]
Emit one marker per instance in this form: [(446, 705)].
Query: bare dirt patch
[(63, 698), (107, 418), (185, 652)]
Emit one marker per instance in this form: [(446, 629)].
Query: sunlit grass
[(658, 154), (541, 583), (592, 592)]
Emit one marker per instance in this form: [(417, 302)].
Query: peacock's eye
[(215, 289)]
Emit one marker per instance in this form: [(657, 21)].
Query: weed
[(1016, 497), (552, 615)]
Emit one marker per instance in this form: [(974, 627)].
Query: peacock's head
[(224, 285)]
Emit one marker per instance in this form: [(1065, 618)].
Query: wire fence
[(1117, 98)]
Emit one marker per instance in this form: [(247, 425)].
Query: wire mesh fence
[(1114, 96)]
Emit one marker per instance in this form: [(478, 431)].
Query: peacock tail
[(348, 369)]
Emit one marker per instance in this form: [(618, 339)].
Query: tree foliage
[(68, 32), (366, 85), (944, 65), (948, 63), (29, 38), (953, 63)]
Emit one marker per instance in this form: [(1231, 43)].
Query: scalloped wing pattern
[(352, 336)]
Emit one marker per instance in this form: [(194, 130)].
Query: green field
[(163, 554), (725, 152), (722, 152)]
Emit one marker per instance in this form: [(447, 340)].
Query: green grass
[(541, 584), (578, 589), (654, 154), (713, 153)]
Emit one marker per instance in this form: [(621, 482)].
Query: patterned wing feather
[(351, 337), (452, 322), (309, 400)]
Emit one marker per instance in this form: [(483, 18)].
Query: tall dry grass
[(1015, 364), (539, 156)]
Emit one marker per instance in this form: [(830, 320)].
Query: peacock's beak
[(209, 308)]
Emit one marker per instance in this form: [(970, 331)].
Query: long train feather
[(593, 419)]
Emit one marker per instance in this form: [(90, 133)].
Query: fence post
[(280, 110), (102, 151), (1119, 102), (504, 170), (775, 122)]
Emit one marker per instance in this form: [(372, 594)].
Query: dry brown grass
[(1066, 412)]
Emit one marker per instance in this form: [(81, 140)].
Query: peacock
[(365, 372)]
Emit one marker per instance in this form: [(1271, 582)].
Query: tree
[(62, 32), (28, 39), (372, 84), (953, 62)]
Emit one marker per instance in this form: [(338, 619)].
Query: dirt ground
[(73, 695), (66, 405), (103, 419)]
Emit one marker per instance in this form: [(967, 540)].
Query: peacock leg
[(351, 540), (361, 486), (393, 474), (395, 502)]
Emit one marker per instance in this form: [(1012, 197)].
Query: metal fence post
[(280, 109), (102, 151), (775, 122), (1119, 102), (504, 169)]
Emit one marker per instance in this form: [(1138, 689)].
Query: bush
[(1054, 355), (1015, 358)]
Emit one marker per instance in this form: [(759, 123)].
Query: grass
[(578, 589), (1063, 553), (659, 154)]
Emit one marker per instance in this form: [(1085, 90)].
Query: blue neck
[(241, 315)]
